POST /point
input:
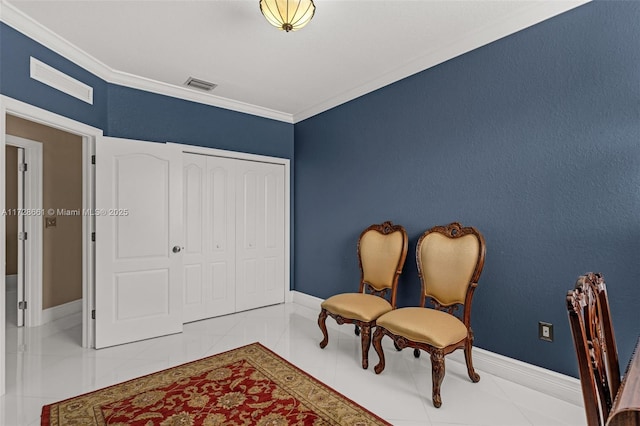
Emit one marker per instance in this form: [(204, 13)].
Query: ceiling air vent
[(200, 84)]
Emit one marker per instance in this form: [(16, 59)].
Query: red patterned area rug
[(246, 386)]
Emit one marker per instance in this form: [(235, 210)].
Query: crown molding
[(23, 23), (491, 32), (154, 86), (520, 20)]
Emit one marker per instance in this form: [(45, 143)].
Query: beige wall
[(11, 202), (62, 189)]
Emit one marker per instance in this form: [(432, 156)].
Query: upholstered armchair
[(450, 260), (382, 251)]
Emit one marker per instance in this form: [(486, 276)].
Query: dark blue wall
[(136, 114), (533, 139)]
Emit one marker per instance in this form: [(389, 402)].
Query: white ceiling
[(350, 48)]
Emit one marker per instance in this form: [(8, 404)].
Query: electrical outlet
[(545, 331)]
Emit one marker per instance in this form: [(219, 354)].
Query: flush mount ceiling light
[(288, 15)]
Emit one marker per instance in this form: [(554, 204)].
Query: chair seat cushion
[(357, 306), (436, 328)]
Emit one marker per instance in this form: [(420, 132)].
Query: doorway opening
[(13, 108), (66, 192), (56, 213)]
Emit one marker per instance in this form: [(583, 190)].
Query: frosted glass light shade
[(288, 15)]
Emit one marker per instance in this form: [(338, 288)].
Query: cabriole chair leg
[(475, 377), (322, 323), (437, 374), (365, 341), (377, 345)]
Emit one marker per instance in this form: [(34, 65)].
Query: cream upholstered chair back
[(381, 252), (450, 259)]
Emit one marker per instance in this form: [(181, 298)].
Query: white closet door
[(221, 234), (209, 257), (194, 176), (138, 241), (260, 235)]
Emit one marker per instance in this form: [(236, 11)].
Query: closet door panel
[(195, 278), (248, 209), (274, 233), (192, 285), (194, 173), (220, 244), (220, 276), (209, 215), (270, 273), (260, 209)]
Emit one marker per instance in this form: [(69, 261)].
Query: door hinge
[(22, 167), (93, 159), (22, 304), (93, 237), (22, 236), (93, 314)]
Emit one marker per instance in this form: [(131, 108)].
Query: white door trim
[(22, 223), (33, 228), (89, 134), (190, 149)]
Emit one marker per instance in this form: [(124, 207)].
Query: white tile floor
[(47, 364)]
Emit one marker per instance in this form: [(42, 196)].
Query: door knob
[(176, 249)]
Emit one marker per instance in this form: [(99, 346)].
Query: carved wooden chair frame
[(452, 230), (363, 329), (594, 339)]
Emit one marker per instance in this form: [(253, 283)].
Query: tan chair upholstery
[(450, 260), (382, 251), (594, 340)]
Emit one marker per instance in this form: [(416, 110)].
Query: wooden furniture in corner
[(626, 407), (596, 350)]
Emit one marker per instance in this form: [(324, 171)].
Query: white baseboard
[(288, 296), (61, 311), (313, 303), (306, 300), (11, 282), (558, 385)]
